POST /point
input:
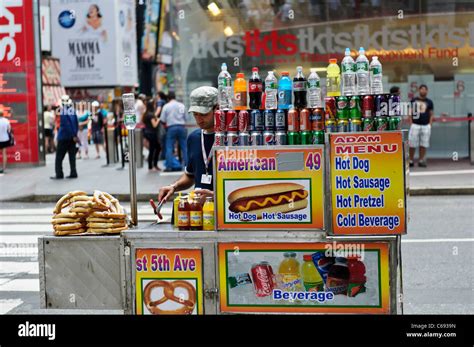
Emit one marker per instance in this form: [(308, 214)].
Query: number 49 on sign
[(313, 161)]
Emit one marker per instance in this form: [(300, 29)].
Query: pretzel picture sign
[(168, 281)]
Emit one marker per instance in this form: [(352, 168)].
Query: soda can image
[(342, 126), (355, 109), (293, 120), (231, 122), (244, 139), (262, 276), (281, 138), (381, 105), (355, 125), (394, 107), (306, 137), (330, 107), (317, 119), (232, 139), (268, 138), (331, 125), (219, 139), (243, 121), (305, 123), (318, 137), (219, 121), (342, 107), (395, 123), (269, 119), (381, 123), (368, 124), (368, 110), (256, 138), (280, 120), (294, 138)]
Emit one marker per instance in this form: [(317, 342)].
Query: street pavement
[(438, 265)]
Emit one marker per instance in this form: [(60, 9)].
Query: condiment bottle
[(183, 214), (208, 214), (195, 213)]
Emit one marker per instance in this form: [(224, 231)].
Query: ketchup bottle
[(183, 214)]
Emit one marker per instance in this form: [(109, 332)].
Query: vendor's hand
[(165, 193), (203, 194)]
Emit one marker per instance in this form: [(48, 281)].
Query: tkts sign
[(414, 33)]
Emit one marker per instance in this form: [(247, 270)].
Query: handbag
[(11, 138)]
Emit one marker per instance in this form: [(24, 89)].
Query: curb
[(142, 197)]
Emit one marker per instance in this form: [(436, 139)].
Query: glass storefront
[(418, 42)]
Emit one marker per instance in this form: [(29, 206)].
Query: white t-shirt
[(4, 125)]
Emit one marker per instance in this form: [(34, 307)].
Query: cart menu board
[(321, 277), (278, 188), (168, 281), (367, 184)]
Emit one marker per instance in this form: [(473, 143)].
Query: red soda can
[(231, 121), (368, 106), (330, 104), (293, 120), (317, 119), (305, 123), (232, 139), (243, 121), (268, 138), (262, 277), (219, 139), (219, 121)]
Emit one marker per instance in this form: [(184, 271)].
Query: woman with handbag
[(6, 139)]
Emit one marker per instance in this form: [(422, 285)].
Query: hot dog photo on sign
[(268, 201)]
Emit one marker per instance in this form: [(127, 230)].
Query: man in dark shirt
[(420, 129), (67, 138), (98, 122), (198, 169)]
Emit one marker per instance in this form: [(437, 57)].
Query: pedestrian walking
[(161, 100), (6, 139), (151, 122), (420, 128), (98, 121), (67, 138), (48, 126), (173, 116)]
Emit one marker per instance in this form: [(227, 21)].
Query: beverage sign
[(322, 277), (279, 188), (168, 281), (367, 184)]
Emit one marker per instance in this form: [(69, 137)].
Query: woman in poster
[(93, 24)]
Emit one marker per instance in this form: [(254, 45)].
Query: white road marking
[(7, 267), (9, 304), (440, 173), (21, 285), (436, 240)]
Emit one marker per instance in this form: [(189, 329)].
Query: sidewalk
[(33, 184)]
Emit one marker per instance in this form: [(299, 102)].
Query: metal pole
[(132, 175), (400, 269)]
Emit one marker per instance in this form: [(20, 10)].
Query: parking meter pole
[(133, 176)]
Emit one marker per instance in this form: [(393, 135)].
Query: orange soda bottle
[(240, 92)]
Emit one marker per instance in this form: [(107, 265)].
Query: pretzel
[(69, 232), (168, 292), (71, 226), (107, 230), (82, 198), (109, 215), (116, 207), (101, 200), (64, 201), (82, 210), (65, 220), (104, 220), (67, 215), (94, 225)]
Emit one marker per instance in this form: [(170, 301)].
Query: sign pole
[(400, 270), (131, 122)]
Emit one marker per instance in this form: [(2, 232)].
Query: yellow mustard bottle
[(175, 209)]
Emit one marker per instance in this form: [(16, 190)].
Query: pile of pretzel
[(78, 213)]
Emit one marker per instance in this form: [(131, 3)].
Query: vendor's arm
[(186, 181)]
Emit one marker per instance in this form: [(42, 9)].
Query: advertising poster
[(367, 183), (322, 277), (278, 188), (18, 79), (168, 281), (87, 38)]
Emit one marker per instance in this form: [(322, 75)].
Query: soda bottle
[(299, 88), (284, 91), (338, 277), (271, 90), (289, 273), (362, 73), (208, 214), (312, 280), (376, 84), (333, 79), (348, 74), (224, 85), (314, 90), (240, 92), (255, 90)]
